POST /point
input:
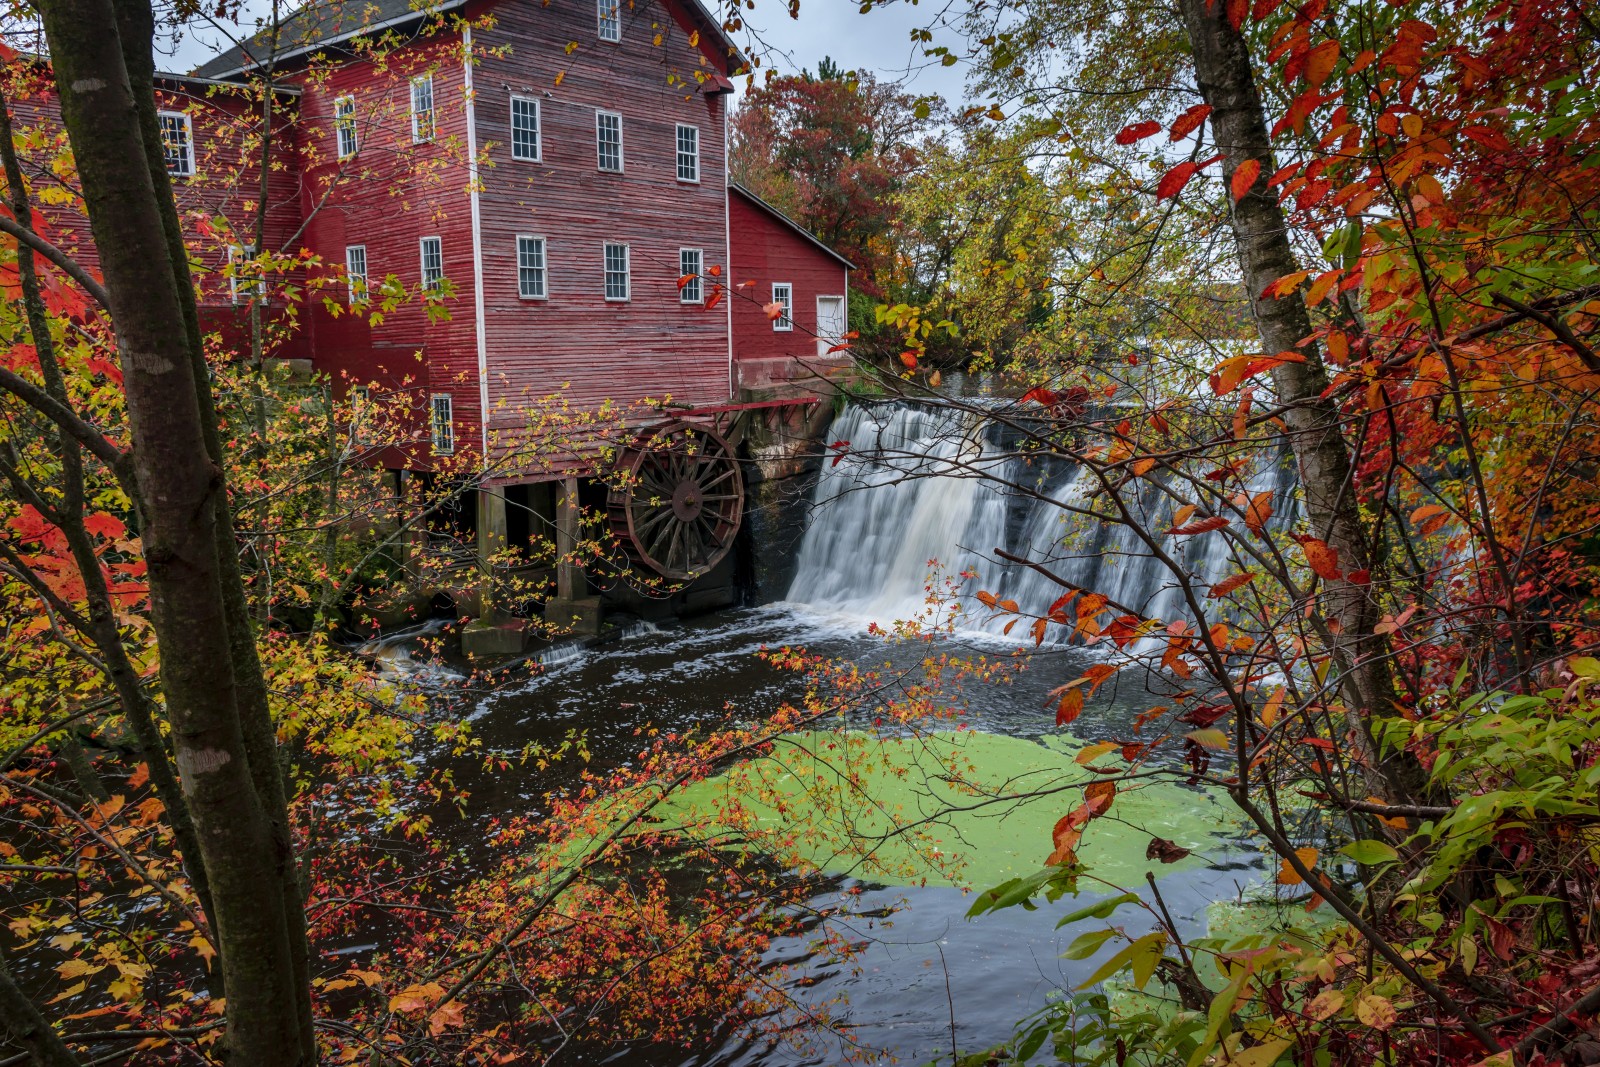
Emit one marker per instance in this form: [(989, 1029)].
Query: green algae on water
[(956, 808)]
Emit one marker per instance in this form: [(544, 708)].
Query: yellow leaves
[(1326, 1004), (1430, 188), (202, 946), (67, 993), (1269, 710), (1375, 1011), (1227, 375), (1287, 875), (561, 76), (79, 968)]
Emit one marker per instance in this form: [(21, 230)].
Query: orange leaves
[(1070, 706), (1244, 178), (1213, 522), (773, 311), (1189, 121), (1258, 512), (1429, 518), (1322, 557), (1287, 875), (909, 358), (1138, 131), (1230, 372), (1319, 63), (1228, 585), (686, 280)]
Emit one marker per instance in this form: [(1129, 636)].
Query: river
[(928, 976)]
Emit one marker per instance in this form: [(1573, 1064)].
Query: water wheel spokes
[(678, 500)]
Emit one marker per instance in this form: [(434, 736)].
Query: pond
[(925, 968)]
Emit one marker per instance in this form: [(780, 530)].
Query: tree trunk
[(1227, 82), (179, 486), (136, 23)]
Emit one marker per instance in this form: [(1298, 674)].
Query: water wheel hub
[(686, 501)]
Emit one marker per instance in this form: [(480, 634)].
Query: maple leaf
[(1138, 131)]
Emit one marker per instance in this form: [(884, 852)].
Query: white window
[(422, 120), (608, 139), (609, 13), (783, 296), (177, 142), (616, 271), (241, 286), (688, 153), (530, 268), (442, 424), (690, 263), (432, 262), (355, 271), (344, 124), (524, 128)]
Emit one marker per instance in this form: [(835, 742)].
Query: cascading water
[(922, 484)]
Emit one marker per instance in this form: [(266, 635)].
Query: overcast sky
[(878, 41)]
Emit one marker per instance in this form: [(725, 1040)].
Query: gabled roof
[(320, 23), (735, 187)]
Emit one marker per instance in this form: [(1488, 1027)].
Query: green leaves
[(1370, 853), (1141, 957)]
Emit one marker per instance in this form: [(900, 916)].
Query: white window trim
[(621, 157), (241, 294), (365, 292), (700, 278), (600, 9), (341, 123), (433, 423), (422, 261), (785, 322), (188, 142), (677, 167), (544, 253), (627, 272), (538, 128), (433, 110)]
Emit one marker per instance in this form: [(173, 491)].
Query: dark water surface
[(923, 958)]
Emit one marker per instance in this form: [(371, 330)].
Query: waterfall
[(920, 484)]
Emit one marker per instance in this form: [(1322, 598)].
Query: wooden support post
[(570, 583)]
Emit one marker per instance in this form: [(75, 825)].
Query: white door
[(830, 322)]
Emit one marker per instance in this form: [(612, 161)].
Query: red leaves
[(840, 447), (685, 280), (1230, 372), (1174, 180), (1214, 522), (909, 358), (1322, 557), (1138, 132), (773, 311), (1189, 121), (1070, 707), (1244, 177)]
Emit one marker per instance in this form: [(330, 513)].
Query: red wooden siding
[(574, 340), (769, 249)]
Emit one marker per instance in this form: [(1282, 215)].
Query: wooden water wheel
[(677, 506)]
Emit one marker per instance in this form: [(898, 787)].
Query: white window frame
[(418, 134), (360, 287), (608, 20), (186, 168), (422, 258), (692, 157), (695, 291), (784, 322), (544, 267), (627, 272), (240, 294), (442, 433), (599, 141), (344, 127), (538, 129)]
